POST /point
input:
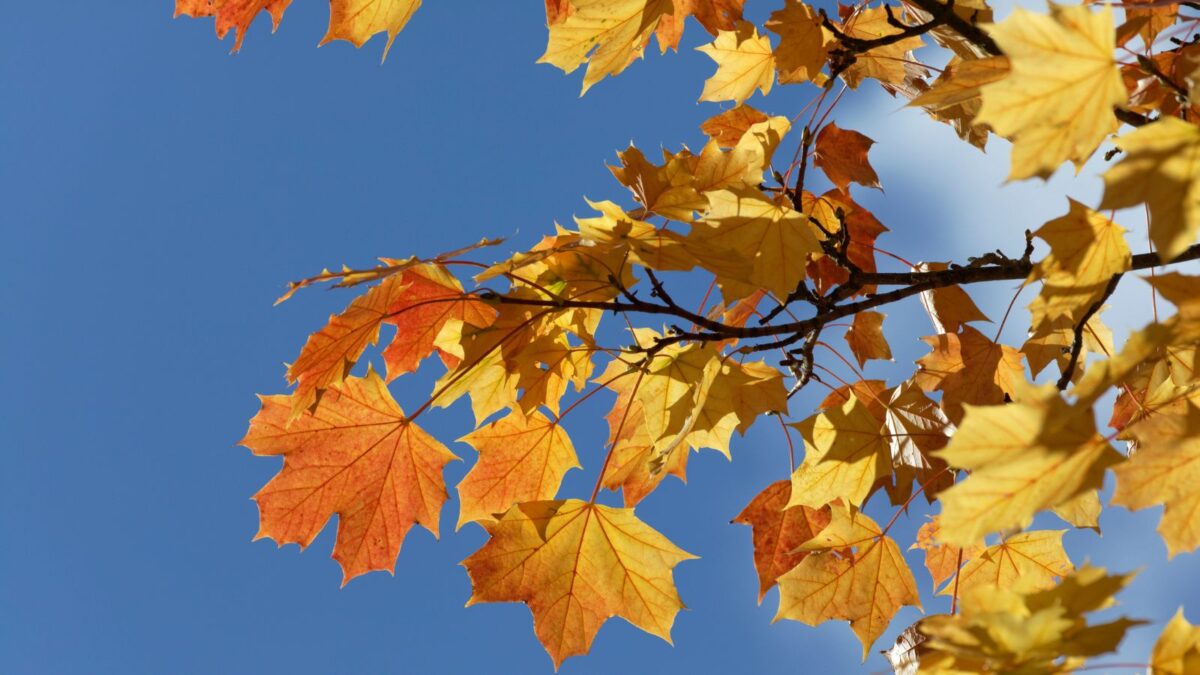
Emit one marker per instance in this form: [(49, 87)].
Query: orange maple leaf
[(356, 456), (236, 15), (778, 531), (842, 155), (576, 564), (521, 458)]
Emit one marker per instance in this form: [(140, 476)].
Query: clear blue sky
[(156, 193)]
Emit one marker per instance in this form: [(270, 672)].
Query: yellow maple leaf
[(744, 63), (522, 458), (803, 43), (1033, 454), (1177, 651), (356, 21), (1017, 629), (742, 165), (656, 248), (846, 451), (865, 586), (666, 190), (1082, 510), (1166, 470), (1159, 168), (618, 31), (356, 456), (1056, 103), (954, 97), (1030, 560), (750, 241), (960, 82), (575, 565), (1086, 250)]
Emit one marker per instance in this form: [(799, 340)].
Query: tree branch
[(911, 283)]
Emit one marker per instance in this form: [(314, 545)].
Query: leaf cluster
[(980, 428)]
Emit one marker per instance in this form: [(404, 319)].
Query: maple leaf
[(865, 338), (1177, 651), (803, 43), (1086, 250), (235, 15), (1029, 455), (949, 307), (419, 301), (842, 155), (666, 190), (1056, 103), (357, 21), (745, 62), (1031, 560), (743, 165), (652, 247), (778, 530), (607, 34), (750, 241), (1149, 18), (713, 15), (329, 354), (522, 458), (942, 560), (487, 362), (846, 452), (729, 127), (432, 298), (967, 367), (1159, 169), (1052, 342), (575, 565), (1019, 629), (356, 456), (631, 467), (954, 96), (853, 572), (1166, 470), (1082, 510)]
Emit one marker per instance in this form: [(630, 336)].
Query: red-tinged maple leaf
[(432, 298), (236, 15), (713, 15), (356, 456), (864, 230), (778, 531), (842, 155)]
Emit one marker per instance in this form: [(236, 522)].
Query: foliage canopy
[(982, 429)]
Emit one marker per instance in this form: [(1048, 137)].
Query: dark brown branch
[(1077, 340), (850, 47), (912, 283), (968, 30)]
